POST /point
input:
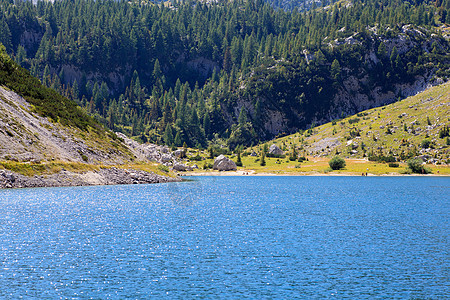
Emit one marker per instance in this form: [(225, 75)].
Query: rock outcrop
[(275, 150), (181, 167), (223, 163), (156, 153)]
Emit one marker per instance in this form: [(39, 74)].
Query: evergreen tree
[(5, 34), (178, 142), (168, 135), (242, 116), (207, 124), (336, 70), (263, 159)]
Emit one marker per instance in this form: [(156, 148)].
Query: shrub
[(416, 166), (354, 120), (393, 165), (425, 144), (444, 132), (163, 168), (196, 158), (337, 163), (207, 166), (263, 160)]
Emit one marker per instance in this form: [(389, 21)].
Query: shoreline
[(254, 173), (115, 176), (64, 178)]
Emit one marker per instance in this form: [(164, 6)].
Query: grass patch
[(32, 169), (398, 131), (321, 166)]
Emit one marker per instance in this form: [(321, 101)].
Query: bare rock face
[(178, 153), (275, 150), (150, 152), (7, 179), (166, 158), (223, 163)]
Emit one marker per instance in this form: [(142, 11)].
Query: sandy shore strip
[(253, 173)]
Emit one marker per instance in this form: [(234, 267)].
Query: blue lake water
[(229, 237)]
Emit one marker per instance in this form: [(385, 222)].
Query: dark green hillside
[(231, 72), (46, 102)]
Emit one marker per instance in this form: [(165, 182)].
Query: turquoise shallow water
[(229, 237)]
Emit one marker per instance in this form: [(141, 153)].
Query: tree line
[(178, 72)]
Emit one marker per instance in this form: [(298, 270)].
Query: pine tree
[(242, 117), (263, 159), (5, 34), (168, 136), (177, 141), (207, 124), (336, 70), (239, 160)]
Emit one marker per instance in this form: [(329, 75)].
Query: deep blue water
[(229, 237)]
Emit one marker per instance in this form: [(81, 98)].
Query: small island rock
[(223, 163)]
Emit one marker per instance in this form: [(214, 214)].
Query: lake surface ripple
[(229, 237)]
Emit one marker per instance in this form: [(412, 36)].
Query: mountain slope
[(416, 126), (183, 72), (43, 126), (47, 140), (27, 136)]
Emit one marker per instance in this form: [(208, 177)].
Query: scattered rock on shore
[(181, 167), (223, 163), (106, 176)]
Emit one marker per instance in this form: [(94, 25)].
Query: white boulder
[(275, 150), (223, 163)]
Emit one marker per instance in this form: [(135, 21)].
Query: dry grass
[(319, 165), (47, 168), (32, 169), (424, 115)]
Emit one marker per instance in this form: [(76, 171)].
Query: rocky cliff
[(373, 69)]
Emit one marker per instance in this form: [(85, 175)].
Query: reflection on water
[(229, 237), (186, 193)]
